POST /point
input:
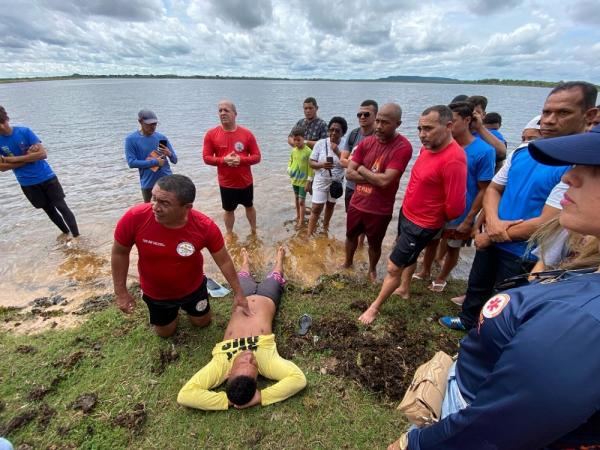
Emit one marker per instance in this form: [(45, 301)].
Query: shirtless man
[(248, 349)]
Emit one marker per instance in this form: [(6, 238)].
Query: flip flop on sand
[(437, 287), (305, 322)]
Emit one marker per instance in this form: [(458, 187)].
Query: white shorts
[(319, 197)]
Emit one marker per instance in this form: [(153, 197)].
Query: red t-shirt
[(170, 261), (219, 143), (378, 157), (437, 189)]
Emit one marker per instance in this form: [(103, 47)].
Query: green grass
[(121, 356)]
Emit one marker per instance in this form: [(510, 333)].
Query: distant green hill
[(417, 79)]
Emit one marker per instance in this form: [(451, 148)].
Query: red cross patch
[(495, 305)]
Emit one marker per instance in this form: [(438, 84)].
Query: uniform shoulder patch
[(495, 305)]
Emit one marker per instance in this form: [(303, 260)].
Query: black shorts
[(147, 194), (231, 197), (412, 239), (271, 287), (45, 193), (348, 193), (163, 312)]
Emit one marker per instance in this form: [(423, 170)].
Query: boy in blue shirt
[(22, 152)]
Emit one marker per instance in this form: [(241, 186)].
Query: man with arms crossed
[(170, 235), (523, 195), (149, 152), (233, 149), (366, 119), (22, 152), (435, 195), (248, 349), (376, 167)]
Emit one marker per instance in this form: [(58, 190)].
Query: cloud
[(586, 11), (247, 14), (301, 38), (131, 10), (489, 7)]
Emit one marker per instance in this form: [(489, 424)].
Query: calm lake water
[(83, 125)]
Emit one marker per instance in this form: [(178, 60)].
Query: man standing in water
[(376, 167), (170, 235), (22, 152), (233, 149), (435, 194), (149, 152)]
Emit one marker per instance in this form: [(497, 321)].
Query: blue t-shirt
[(138, 147), (17, 144), (528, 186), (481, 161), (529, 372)]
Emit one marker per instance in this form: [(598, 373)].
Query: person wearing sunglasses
[(526, 376), (325, 161)]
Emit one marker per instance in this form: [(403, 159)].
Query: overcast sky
[(466, 39)]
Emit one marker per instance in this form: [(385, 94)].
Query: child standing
[(299, 171)]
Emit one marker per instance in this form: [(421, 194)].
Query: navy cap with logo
[(147, 116), (583, 149)]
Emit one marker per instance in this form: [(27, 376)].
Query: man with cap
[(149, 152), (522, 196), (527, 376)]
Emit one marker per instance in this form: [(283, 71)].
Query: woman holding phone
[(325, 161)]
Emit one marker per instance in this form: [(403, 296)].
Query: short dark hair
[(372, 103), (478, 100), (180, 185), (444, 112), (298, 131), (311, 100), (492, 117), (460, 98), (463, 109), (240, 389), (3, 115), (341, 121), (588, 90)]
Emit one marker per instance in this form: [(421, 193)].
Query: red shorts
[(372, 225)]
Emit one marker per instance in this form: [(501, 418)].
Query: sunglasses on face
[(364, 114)]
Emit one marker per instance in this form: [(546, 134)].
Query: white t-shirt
[(322, 178)]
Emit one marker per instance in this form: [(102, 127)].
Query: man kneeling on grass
[(248, 349)]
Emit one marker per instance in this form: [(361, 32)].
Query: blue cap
[(583, 148)]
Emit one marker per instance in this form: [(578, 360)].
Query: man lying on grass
[(248, 349)]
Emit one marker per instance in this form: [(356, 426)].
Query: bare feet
[(279, 260), (245, 260), (373, 276), (368, 316), (403, 293)]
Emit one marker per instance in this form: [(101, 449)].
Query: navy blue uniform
[(530, 371)]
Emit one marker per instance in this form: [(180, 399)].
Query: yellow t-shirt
[(196, 393)]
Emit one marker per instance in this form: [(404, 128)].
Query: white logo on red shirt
[(495, 305), (201, 305), (185, 249), (148, 241), (239, 146)]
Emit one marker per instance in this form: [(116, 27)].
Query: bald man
[(376, 166), (233, 149)]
